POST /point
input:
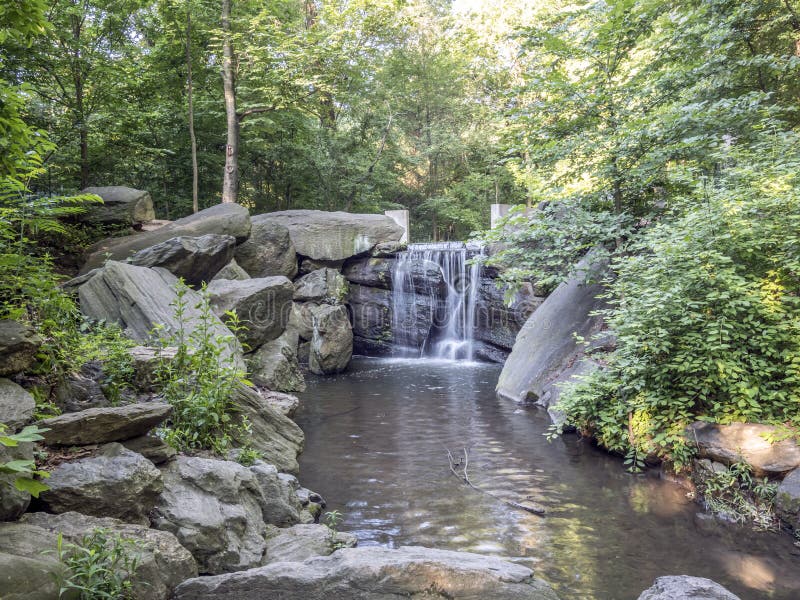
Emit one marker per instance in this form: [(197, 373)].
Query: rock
[(745, 441), (677, 587), (101, 425), (16, 405), (281, 506), (546, 344), (787, 500), (146, 364), (161, 562), (269, 251), (138, 299), (231, 271), (286, 404), (425, 276), (13, 502), (82, 390), (304, 541), (371, 310), (195, 259), (18, 347), (332, 344), (29, 567), (303, 352), (334, 236), (121, 206), (263, 306), (322, 285), (274, 365), (214, 508), (221, 219), (376, 573), (115, 482), (302, 319), (276, 437), (153, 448), (497, 322), (388, 249), (309, 265)]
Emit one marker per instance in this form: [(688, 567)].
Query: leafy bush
[(99, 567), (27, 475), (200, 380), (706, 310), (734, 494)]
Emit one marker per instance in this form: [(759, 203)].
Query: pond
[(376, 448)]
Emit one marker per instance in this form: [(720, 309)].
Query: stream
[(376, 449)]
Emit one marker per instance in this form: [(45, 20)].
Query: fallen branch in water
[(461, 470)]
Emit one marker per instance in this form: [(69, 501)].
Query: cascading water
[(434, 299)]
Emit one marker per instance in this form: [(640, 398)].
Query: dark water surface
[(376, 448)]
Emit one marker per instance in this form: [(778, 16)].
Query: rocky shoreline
[(309, 288)]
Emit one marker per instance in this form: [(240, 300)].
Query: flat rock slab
[(222, 219), (680, 587), (18, 346), (115, 482), (332, 236), (301, 542), (162, 563), (121, 205), (376, 573), (102, 425), (16, 405), (745, 441)]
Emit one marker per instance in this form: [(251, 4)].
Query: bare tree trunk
[(192, 137), (230, 181)]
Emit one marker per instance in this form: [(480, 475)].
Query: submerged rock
[(222, 219), (269, 251), (101, 425), (161, 562), (115, 482), (214, 508), (745, 441), (195, 259), (332, 236), (376, 573), (679, 587), (121, 206), (19, 344)]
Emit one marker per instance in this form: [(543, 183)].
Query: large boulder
[(101, 425), (13, 502), (301, 542), (750, 442), (424, 276), (496, 321), (546, 345), (332, 236), (16, 405), (322, 285), (161, 562), (680, 587), (231, 271), (269, 251), (81, 390), (114, 482), (221, 219), (787, 500), (280, 506), (376, 573), (140, 299), (276, 437), (332, 343), (121, 206), (19, 344), (262, 305), (29, 565), (274, 365), (214, 508), (195, 259)]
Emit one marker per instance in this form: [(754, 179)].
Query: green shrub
[(100, 567), (200, 380), (706, 310), (27, 476)]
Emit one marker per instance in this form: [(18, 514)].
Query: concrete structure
[(401, 218), (498, 212)]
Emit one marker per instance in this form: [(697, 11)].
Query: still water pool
[(376, 448)]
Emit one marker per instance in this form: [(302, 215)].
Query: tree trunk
[(230, 181), (192, 137)]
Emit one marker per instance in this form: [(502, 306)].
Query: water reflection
[(376, 447)]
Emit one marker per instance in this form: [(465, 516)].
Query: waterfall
[(434, 298)]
